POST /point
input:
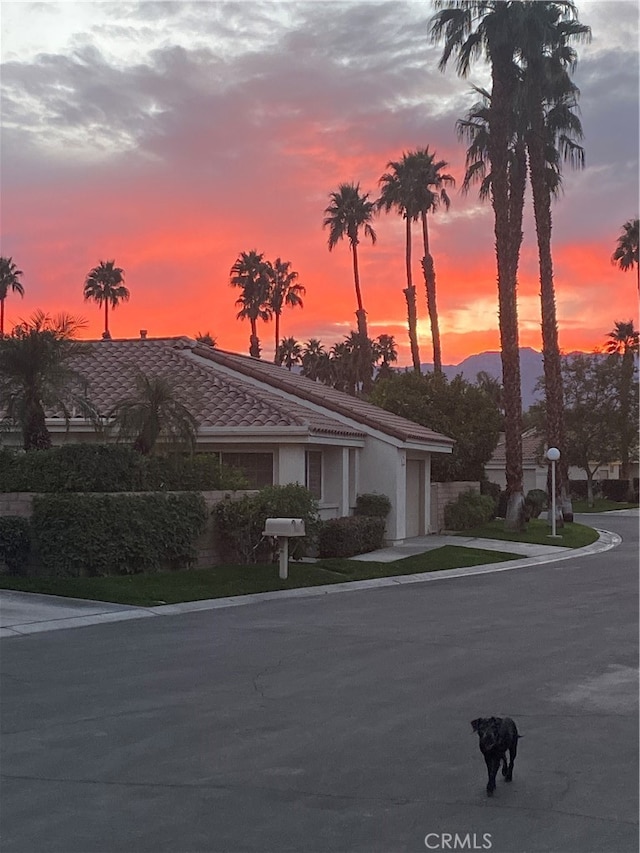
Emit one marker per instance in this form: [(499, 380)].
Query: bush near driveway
[(468, 510), (15, 543), (351, 535)]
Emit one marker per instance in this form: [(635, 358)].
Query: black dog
[(497, 735)]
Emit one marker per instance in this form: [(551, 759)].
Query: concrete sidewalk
[(23, 613)]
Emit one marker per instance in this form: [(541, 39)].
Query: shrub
[(470, 509), (15, 543), (491, 490), (240, 523), (374, 505), (501, 508), (355, 534), (77, 535), (535, 502), (112, 468)]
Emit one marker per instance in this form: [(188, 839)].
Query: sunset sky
[(170, 136)]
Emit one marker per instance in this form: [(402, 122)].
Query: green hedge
[(374, 505), (470, 509), (351, 535), (535, 502), (15, 543), (89, 535), (112, 468), (240, 523)]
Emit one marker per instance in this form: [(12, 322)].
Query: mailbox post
[(282, 529)]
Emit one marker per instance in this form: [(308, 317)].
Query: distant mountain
[(531, 369)]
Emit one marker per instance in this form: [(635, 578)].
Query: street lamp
[(553, 454)]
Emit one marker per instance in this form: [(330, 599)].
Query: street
[(337, 722)]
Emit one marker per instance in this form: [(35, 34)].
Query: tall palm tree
[(626, 253), (35, 376), (549, 104), (491, 29), (285, 290), (398, 189), (289, 353), (348, 213), (431, 192), (105, 284), (153, 412), (9, 280), (623, 343), (251, 273)]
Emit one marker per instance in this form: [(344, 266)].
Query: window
[(313, 473), (257, 467)]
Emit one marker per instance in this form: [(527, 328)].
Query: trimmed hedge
[(240, 523), (351, 535), (89, 535), (374, 505), (15, 543), (112, 468), (615, 490), (470, 509)]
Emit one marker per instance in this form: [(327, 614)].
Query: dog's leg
[(513, 751), (492, 768), (504, 764)]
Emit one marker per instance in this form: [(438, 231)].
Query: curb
[(605, 542)]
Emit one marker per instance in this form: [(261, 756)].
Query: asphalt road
[(336, 723)]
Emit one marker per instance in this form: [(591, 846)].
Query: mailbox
[(284, 527)]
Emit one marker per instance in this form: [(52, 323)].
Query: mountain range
[(531, 369)]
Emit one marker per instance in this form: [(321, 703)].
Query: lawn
[(537, 532), (222, 581), (601, 505)]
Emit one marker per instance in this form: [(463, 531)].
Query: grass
[(147, 590), (602, 505), (537, 532)]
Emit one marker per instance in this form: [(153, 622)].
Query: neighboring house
[(277, 426), (535, 465)]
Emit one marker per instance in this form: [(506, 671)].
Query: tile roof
[(314, 392), (532, 449), (215, 400), (218, 399)]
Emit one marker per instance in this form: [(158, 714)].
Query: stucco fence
[(20, 504)]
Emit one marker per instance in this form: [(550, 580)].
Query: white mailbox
[(282, 529)]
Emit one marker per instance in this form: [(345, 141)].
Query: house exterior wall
[(383, 471)]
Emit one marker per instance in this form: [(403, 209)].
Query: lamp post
[(553, 454)]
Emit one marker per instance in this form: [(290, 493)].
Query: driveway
[(336, 722)]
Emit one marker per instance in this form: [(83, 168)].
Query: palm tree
[(549, 102), (623, 344), (430, 193), (250, 273), (314, 358), (384, 347), (206, 338), (471, 30), (348, 213), (153, 412), (626, 253), (398, 187), (285, 290), (105, 284), (35, 376), (9, 280), (289, 352)]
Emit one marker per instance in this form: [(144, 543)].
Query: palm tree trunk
[(34, 431), (254, 343), (276, 357), (506, 255), (626, 382), (106, 319), (2, 316), (550, 347), (361, 314), (429, 271), (410, 296)]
